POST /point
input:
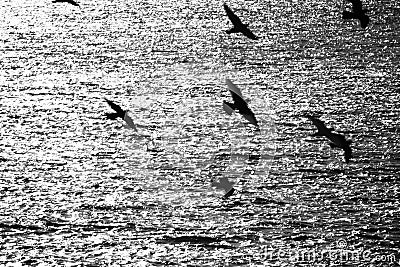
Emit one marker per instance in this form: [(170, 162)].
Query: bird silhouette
[(224, 184), (357, 13), (238, 25), (120, 113), (322, 130), (337, 140), (72, 2), (238, 104)]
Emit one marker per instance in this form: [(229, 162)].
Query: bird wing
[(72, 2), (357, 5), (232, 17), (318, 123), (244, 109), (251, 118), (130, 122), (349, 15), (241, 104), (364, 21), (249, 34), (227, 108), (114, 106), (233, 88), (238, 101)]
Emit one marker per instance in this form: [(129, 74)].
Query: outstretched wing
[(318, 123), (238, 100), (357, 5), (232, 17), (244, 109), (240, 104), (114, 106), (251, 117), (349, 15), (130, 122), (233, 88), (364, 21), (249, 34), (228, 109), (72, 2)]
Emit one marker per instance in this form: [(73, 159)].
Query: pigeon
[(238, 104), (358, 13), (238, 25), (226, 185), (72, 2), (337, 140), (120, 113)]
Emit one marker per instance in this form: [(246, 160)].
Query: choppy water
[(78, 189)]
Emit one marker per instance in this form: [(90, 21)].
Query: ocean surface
[(77, 189)]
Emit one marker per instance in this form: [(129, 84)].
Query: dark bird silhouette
[(337, 140), (224, 184), (238, 104), (72, 2), (322, 130), (238, 25), (120, 113), (358, 13)]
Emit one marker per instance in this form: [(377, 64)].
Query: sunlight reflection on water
[(78, 188)]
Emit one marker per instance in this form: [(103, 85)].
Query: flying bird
[(224, 184), (337, 140), (238, 25), (120, 113), (357, 13), (238, 104), (322, 130), (72, 2)]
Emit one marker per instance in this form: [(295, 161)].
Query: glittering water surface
[(77, 189)]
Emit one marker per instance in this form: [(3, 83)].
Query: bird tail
[(348, 15)]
